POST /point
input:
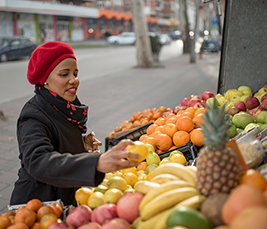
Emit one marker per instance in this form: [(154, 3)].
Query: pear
[(261, 116), (242, 119)]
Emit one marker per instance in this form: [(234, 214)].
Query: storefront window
[(119, 26), (111, 26), (90, 29), (101, 23)]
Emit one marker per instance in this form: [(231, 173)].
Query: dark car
[(175, 35), (12, 48), (211, 44)]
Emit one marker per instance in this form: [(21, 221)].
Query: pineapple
[(217, 165)]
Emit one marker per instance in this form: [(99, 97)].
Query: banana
[(162, 189), (137, 222), (145, 186), (176, 169), (166, 200), (192, 202), (163, 178), (192, 167)]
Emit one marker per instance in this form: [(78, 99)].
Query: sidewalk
[(113, 99)]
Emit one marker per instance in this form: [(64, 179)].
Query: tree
[(184, 25), (193, 40), (143, 46)]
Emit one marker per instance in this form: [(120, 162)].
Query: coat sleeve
[(42, 162)]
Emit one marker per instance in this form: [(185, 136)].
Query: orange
[(154, 134), (34, 204), (200, 111), (130, 170), (169, 116), (129, 126), (110, 135), (172, 120), (251, 217), (149, 176), (185, 123), (26, 216), (163, 141), (137, 123), (124, 123), (18, 226), (150, 140), (151, 129), (198, 120), (191, 110), (240, 198), (136, 115), (196, 137), (130, 178), (160, 121), (156, 115), (117, 129), (142, 166), (181, 138), (162, 109), (170, 129), (43, 211), (187, 114), (47, 220), (180, 112), (254, 178), (142, 137), (36, 225), (4, 222), (82, 195), (159, 128), (57, 209)]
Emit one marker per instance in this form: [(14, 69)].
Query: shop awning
[(114, 15), (152, 20)]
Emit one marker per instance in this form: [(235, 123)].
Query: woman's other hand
[(91, 144), (115, 158)]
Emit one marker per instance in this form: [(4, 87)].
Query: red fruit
[(128, 206), (62, 225), (264, 104), (104, 213), (264, 86), (184, 102), (206, 95), (251, 102), (90, 225), (240, 105), (117, 223), (79, 216), (264, 97)]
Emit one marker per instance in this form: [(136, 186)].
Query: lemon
[(142, 176), (101, 188), (152, 158), (130, 178), (128, 190), (105, 182), (118, 173), (164, 161), (178, 158), (117, 182), (175, 152), (251, 126), (130, 170), (140, 172), (112, 196), (95, 200), (138, 148), (150, 147), (109, 175), (82, 195)]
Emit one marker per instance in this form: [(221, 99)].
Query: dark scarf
[(75, 112)]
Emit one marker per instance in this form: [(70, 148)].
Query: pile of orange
[(175, 130), (139, 118), (33, 215)]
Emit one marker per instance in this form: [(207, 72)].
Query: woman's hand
[(115, 158), (91, 144)]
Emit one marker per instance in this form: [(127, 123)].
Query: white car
[(125, 38), (165, 39)]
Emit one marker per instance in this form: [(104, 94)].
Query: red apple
[(128, 206), (177, 108), (104, 213), (251, 102), (184, 102), (80, 215), (117, 223), (90, 225), (264, 86), (207, 94), (263, 97), (233, 110), (194, 97), (264, 105), (241, 106), (199, 105), (193, 102)]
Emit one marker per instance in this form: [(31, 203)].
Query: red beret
[(45, 58)]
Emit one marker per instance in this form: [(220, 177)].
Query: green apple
[(243, 97), (242, 88), (234, 92), (222, 101), (152, 158), (262, 91), (228, 106), (261, 116), (210, 101), (235, 99), (262, 127), (218, 95)]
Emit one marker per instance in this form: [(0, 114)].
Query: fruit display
[(166, 190)]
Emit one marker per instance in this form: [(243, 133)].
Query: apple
[(80, 215), (193, 102), (178, 108), (251, 102), (218, 95), (243, 97), (104, 213), (262, 91), (91, 225), (185, 102), (207, 94), (233, 110), (222, 101), (233, 92), (242, 119), (265, 85), (235, 99), (264, 104), (228, 106), (240, 105), (261, 116), (246, 90), (194, 97), (117, 223), (199, 105), (263, 97), (254, 112)]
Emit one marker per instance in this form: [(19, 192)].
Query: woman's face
[(64, 79)]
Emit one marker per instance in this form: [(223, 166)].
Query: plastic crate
[(133, 135), (189, 150)]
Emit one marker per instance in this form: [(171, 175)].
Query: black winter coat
[(54, 163)]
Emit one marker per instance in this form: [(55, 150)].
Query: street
[(92, 63)]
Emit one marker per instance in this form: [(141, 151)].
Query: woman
[(56, 157)]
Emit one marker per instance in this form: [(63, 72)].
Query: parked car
[(165, 39), (12, 48), (211, 44), (175, 35), (125, 38)]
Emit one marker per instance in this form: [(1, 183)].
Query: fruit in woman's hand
[(138, 148), (128, 206), (79, 216)]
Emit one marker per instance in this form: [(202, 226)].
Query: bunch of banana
[(145, 186)]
